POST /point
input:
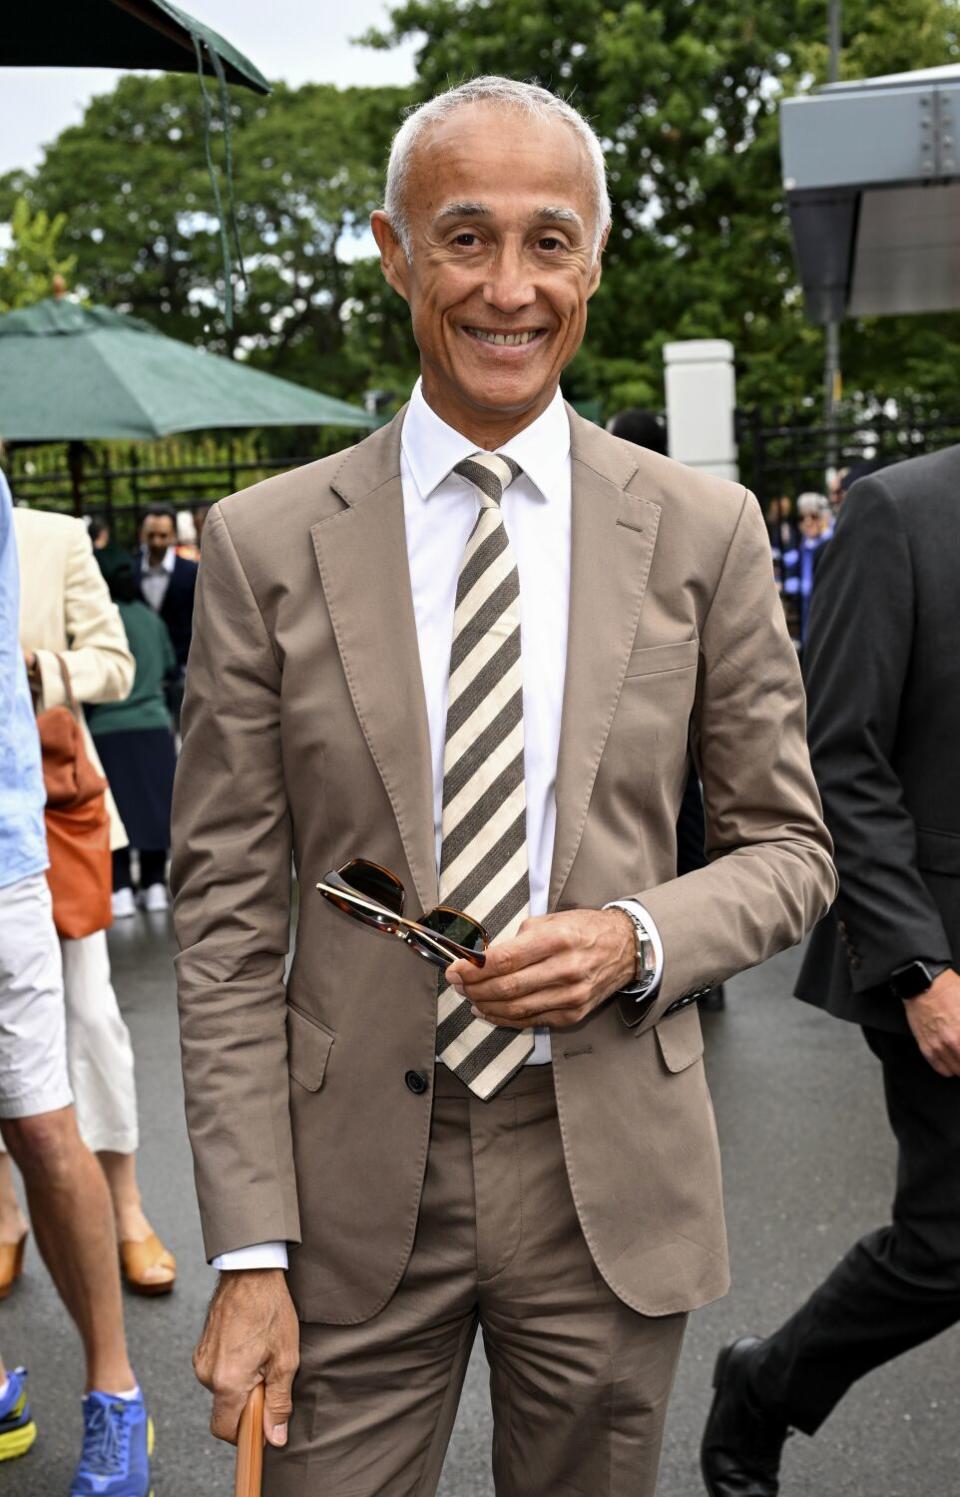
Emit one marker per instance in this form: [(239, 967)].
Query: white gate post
[(701, 399)]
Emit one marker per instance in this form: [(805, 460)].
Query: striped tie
[(483, 858)]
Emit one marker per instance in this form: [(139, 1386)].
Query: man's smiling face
[(502, 218)]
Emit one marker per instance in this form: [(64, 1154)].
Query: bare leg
[(13, 1223), (132, 1224), (70, 1210)]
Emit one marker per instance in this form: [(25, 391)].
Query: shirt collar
[(432, 448), (167, 565)]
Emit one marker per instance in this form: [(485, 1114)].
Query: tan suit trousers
[(579, 1382)]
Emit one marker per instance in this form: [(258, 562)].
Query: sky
[(299, 41)]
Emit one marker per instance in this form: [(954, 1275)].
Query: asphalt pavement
[(809, 1167)]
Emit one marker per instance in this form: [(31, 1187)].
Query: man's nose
[(509, 285)]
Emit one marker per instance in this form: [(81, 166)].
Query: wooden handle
[(250, 1446)]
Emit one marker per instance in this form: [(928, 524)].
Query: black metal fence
[(789, 451), (780, 451), (120, 481)]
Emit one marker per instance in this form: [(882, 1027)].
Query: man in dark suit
[(167, 581), (883, 679)]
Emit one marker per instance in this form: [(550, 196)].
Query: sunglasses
[(375, 896)]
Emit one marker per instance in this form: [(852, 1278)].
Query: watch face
[(910, 981)]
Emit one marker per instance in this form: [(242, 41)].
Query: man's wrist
[(648, 949), (915, 978)]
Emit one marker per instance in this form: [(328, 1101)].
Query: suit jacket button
[(416, 1082)]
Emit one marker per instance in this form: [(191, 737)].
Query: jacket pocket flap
[(308, 1049), (680, 1038), (649, 660), (938, 852)]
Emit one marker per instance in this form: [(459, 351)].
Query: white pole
[(701, 400)]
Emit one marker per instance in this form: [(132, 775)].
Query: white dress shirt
[(440, 510), (154, 580)]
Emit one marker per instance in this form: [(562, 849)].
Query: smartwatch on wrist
[(914, 978)]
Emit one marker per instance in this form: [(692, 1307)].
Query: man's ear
[(393, 259), (597, 267)]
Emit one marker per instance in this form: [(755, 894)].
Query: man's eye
[(550, 242), (467, 240)]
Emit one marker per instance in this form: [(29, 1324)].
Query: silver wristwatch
[(645, 974)]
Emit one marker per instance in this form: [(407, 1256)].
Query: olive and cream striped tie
[(483, 859)]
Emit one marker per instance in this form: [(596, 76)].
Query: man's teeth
[(508, 340)]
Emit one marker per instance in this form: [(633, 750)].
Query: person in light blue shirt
[(23, 843), (65, 1186)]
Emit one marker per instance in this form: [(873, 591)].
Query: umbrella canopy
[(119, 34), (72, 373)]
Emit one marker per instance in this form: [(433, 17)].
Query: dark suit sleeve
[(857, 662)]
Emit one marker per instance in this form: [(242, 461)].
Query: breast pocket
[(656, 660)]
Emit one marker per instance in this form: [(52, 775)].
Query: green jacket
[(146, 706)]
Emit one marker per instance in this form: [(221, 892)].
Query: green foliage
[(28, 266), (133, 181), (685, 97)]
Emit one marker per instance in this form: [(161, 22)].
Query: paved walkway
[(808, 1167)]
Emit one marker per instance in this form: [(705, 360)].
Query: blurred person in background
[(67, 1194), (65, 610), (800, 564), (883, 680), (167, 583), (837, 488), (134, 739), (200, 513), (782, 532)]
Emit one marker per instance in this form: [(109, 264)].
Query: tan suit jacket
[(65, 608), (305, 730)]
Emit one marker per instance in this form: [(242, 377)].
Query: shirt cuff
[(634, 907), (52, 692), (258, 1255)]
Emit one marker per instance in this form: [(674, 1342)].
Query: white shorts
[(33, 1043)]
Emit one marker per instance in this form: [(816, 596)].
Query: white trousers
[(99, 1052)]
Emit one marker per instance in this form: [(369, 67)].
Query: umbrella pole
[(75, 464)]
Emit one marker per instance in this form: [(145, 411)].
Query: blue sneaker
[(117, 1446), (17, 1429)]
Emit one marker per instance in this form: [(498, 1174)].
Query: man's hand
[(934, 1018), (554, 971), (252, 1335)]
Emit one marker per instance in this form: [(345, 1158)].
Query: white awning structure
[(871, 171)]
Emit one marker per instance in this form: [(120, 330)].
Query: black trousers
[(153, 867), (897, 1287)]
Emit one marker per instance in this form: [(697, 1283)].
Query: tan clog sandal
[(11, 1263), (137, 1259)]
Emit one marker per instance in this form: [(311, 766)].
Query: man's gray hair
[(539, 103)]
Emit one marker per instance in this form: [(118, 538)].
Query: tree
[(685, 96), (29, 265), (132, 179)]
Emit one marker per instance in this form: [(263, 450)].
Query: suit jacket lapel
[(362, 556), (613, 538)]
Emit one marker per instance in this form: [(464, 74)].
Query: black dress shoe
[(742, 1445)]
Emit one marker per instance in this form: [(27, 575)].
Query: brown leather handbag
[(78, 823)]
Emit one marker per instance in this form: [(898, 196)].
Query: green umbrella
[(72, 373), (119, 34)]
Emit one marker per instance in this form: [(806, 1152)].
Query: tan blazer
[(65, 608), (305, 728)]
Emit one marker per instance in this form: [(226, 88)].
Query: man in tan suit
[(477, 649)]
